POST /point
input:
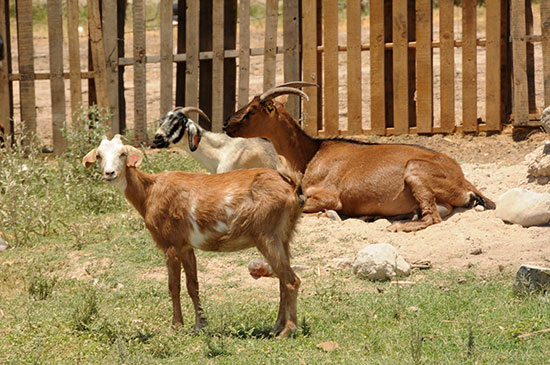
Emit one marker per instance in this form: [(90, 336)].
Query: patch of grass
[(40, 286)]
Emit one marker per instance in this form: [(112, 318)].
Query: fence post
[(270, 45), (140, 90), (447, 65), (424, 72), (110, 43), (166, 57), (353, 19), (469, 66), (217, 68), (401, 104), (244, 52), (5, 92), (493, 82), (521, 99), (291, 45), (330, 63), (309, 54)]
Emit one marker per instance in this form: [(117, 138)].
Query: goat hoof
[(287, 331), (332, 214)]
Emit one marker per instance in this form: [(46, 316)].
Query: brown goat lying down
[(354, 178), (223, 212)]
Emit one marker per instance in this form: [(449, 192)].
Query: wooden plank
[(26, 65), (521, 100), (411, 37), (166, 56), (192, 52), (121, 6), (469, 66), (447, 65), (110, 43), (181, 67), (57, 82), (270, 43), (140, 92), (217, 68), (493, 97), (377, 68), (353, 19), (98, 56), (424, 66), (529, 29), (309, 59), (545, 31), (330, 63), (320, 75), (400, 67), (291, 45), (244, 52), (5, 100)]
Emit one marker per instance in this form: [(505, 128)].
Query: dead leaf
[(328, 346)]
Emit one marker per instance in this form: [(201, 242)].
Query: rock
[(477, 251), (538, 161), (545, 119), (531, 278), (3, 244), (380, 262), (524, 207)]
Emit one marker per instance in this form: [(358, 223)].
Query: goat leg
[(173, 265), (189, 262)]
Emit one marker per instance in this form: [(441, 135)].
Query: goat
[(357, 178), (218, 152), (221, 212)]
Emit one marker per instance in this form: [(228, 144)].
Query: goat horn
[(296, 84), (277, 91), (189, 109)]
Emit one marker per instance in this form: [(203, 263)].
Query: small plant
[(41, 286), (86, 311), (416, 342), (470, 343)]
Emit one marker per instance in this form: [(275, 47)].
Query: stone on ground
[(531, 279), (380, 262), (524, 207)]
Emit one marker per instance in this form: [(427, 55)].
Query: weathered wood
[(411, 37), (320, 73), (110, 43), (469, 66), (5, 100), (529, 28), (192, 52), (98, 55), (205, 65), (447, 65), (140, 91), (424, 66), (521, 100), (353, 18), (166, 56), (309, 58), (57, 82), (26, 66), (291, 45), (121, 23), (545, 31), (377, 68), (400, 67), (493, 104), (270, 44), (330, 63), (217, 68), (181, 67), (244, 52)]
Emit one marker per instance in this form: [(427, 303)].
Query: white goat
[(218, 152), (220, 212)]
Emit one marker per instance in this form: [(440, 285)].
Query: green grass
[(74, 288)]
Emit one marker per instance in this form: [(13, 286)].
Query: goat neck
[(208, 152), (291, 141), (138, 184)]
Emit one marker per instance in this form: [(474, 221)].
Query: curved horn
[(277, 91), (188, 109), (296, 84)]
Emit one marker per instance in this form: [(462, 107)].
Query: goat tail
[(292, 177)]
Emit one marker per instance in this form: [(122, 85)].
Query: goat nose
[(226, 122), (109, 173)]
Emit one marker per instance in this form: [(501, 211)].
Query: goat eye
[(98, 157), (123, 154)]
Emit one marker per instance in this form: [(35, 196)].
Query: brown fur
[(234, 210), (360, 179)]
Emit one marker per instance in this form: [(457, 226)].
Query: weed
[(40, 286), (86, 310), (415, 342)]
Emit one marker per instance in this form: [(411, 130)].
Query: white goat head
[(113, 157), (173, 126)]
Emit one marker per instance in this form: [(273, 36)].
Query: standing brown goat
[(357, 178), (222, 212)]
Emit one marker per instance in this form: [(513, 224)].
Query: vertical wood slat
[(121, 7), (244, 52), (400, 67), (140, 92), (447, 65), (4, 73), (57, 82), (424, 69), (110, 44), (353, 19), (26, 65), (411, 37), (309, 57), (166, 57), (98, 55), (469, 66), (291, 45), (270, 43), (330, 64), (192, 52), (493, 53), (181, 67), (205, 66), (377, 68), (521, 101), (74, 57), (545, 31), (217, 68)]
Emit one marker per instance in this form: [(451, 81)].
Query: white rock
[(538, 161), (524, 207), (380, 262)]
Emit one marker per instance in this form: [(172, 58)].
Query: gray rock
[(524, 207), (538, 161), (380, 262), (531, 279)]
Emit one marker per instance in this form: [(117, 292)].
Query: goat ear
[(90, 158), (134, 158), (194, 135)]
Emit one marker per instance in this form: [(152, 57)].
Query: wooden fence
[(392, 55)]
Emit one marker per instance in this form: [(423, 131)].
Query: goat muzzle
[(159, 141)]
